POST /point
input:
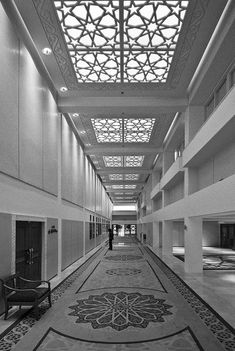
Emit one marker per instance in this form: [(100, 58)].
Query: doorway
[(29, 249), (227, 236)]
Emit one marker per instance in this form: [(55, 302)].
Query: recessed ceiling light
[(82, 132), (63, 89), (75, 114), (46, 51), (88, 144)]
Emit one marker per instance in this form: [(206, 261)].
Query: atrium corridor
[(124, 299)]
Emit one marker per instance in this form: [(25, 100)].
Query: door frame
[(29, 218)]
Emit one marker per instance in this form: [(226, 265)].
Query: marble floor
[(215, 287), (130, 298)]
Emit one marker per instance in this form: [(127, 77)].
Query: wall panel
[(50, 144), (66, 243), (8, 97), (52, 248), (224, 163), (66, 186), (5, 249), (211, 234), (30, 120)]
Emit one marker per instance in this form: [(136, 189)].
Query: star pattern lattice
[(133, 161), (115, 176), (113, 161), (138, 130), (128, 130), (126, 161), (131, 176), (127, 41), (107, 130)]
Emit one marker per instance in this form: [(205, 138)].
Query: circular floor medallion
[(123, 257), (120, 310), (123, 271)]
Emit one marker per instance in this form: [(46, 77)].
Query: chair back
[(10, 281)]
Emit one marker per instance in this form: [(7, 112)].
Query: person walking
[(110, 239)]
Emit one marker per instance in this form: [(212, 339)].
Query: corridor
[(125, 299)]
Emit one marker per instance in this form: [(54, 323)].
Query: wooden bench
[(18, 291)]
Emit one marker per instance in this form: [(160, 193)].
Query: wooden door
[(28, 249)]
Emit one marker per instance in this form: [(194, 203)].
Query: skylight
[(128, 130), (133, 161), (138, 130), (117, 186), (127, 161), (130, 186), (113, 161), (131, 176), (116, 177), (131, 43)]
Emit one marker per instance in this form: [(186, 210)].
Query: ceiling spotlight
[(82, 132), (88, 144), (46, 51), (75, 114), (63, 89)]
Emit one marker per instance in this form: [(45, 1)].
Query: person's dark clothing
[(110, 239)]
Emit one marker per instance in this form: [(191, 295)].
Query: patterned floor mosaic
[(123, 301)]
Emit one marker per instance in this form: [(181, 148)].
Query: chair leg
[(49, 299), (6, 311), (36, 309)]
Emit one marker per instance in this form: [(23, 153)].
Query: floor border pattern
[(12, 335), (222, 330)]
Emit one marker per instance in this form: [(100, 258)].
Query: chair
[(14, 294)]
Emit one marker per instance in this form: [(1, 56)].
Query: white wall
[(211, 234)]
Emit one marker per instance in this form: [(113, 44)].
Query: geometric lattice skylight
[(124, 41), (121, 186), (125, 176), (113, 161), (133, 161), (123, 130), (126, 161), (130, 186), (107, 130), (116, 176), (117, 186), (131, 176)]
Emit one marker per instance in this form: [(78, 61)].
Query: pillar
[(193, 245), (167, 230), (155, 235), (59, 195)]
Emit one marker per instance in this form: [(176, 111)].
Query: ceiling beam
[(121, 150), (75, 103), (126, 170)]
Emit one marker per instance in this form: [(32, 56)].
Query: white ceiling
[(128, 99)]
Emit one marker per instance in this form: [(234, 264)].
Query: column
[(59, 247), (193, 245), (59, 196), (155, 234), (84, 231), (167, 230)]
